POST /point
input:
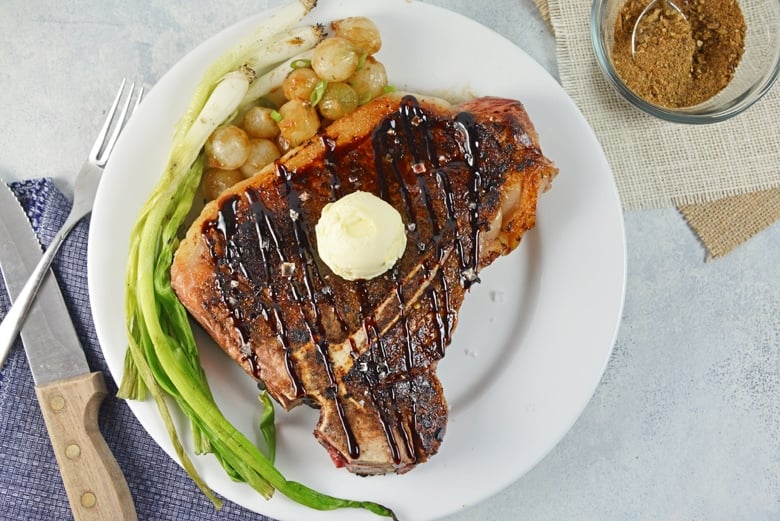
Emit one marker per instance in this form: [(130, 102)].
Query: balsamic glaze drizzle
[(316, 331), (225, 225), (470, 147), (377, 368), (403, 146), (333, 175)]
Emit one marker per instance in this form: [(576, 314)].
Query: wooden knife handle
[(96, 487)]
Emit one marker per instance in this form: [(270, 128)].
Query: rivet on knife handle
[(96, 487)]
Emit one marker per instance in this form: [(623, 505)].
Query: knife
[(68, 392)]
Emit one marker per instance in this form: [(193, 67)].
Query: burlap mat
[(544, 10), (724, 224), (724, 177)]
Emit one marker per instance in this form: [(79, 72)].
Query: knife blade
[(69, 394)]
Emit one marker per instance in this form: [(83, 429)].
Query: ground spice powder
[(679, 61)]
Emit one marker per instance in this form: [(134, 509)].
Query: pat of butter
[(360, 236)]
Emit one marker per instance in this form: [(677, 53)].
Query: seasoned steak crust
[(465, 180)]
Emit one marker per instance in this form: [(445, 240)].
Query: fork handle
[(96, 488)]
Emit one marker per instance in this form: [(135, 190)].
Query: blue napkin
[(30, 484)]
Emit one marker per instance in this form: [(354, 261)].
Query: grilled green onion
[(316, 94)]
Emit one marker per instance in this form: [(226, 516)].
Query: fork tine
[(95, 152), (104, 143), (124, 115), (138, 99)]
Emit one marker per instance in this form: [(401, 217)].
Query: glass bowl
[(757, 70)]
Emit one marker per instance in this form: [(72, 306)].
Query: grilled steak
[(465, 180)]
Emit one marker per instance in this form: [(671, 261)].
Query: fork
[(84, 191)]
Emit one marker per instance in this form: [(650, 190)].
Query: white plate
[(534, 337)]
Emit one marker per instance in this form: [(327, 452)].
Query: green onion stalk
[(162, 359)]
